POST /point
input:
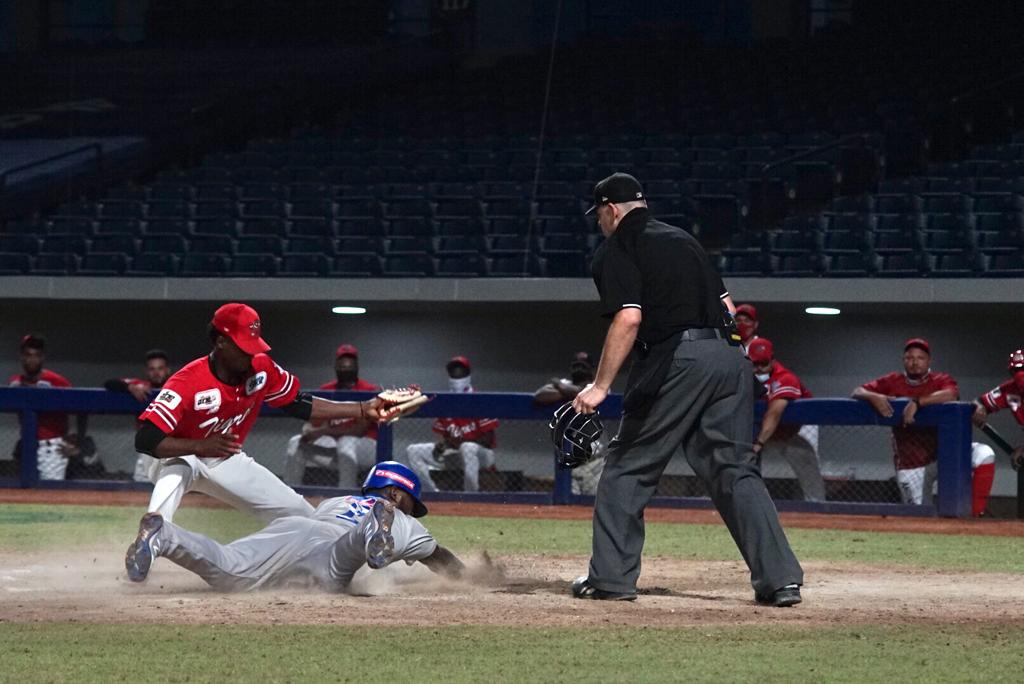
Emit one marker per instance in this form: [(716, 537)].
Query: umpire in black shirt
[(688, 387)]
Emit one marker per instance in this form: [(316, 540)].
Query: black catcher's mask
[(574, 434)]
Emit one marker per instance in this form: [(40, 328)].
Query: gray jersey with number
[(324, 550)]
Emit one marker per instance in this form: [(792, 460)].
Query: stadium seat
[(845, 242), (64, 244), (309, 245), (309, 265), (312, 209), (963, 264), (215, 209), (114, 209), (118, 227), (262, 191), (892, 242), (799, 266), (788, 243), (350, 246), (171, 244), (904, 265), (998, 202), (211, 244), (311, 227), (216, 192), (299, 192), (409, 227), (851, 265), (264, 226), (1006, 265), (749, 265), (565, 265), (461, 266), (944, 241), (523, 265), (408, 245), (254, 265), (110, 244), (167, 227), (896, 204), (1000, 242), (15, 264), (406, 266), (998, 222), (103, 264), (357, 209), (259, 244), (562, 243), (204, 265), (167, 210), (176, 192), (55, 264), (19, 244), (262, 209), (356, 266), (77, 210), (367, 227)]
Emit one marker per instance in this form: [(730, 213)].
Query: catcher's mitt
[(398, 402)]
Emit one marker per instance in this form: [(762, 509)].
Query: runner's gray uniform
[(324, 550)]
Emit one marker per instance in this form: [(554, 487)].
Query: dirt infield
[(865, 523), (530, 591)]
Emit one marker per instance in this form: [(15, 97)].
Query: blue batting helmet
[(394, 474)]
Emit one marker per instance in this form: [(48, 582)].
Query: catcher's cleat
[(139, 558), (788, 595), (380, 545), (583, 589)]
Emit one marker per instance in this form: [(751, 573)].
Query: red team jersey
[(360, 386), (914, 447), (784, 384), (194, 404), (459, 430), (1007, 395), (49, 425)]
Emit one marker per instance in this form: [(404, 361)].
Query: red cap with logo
[(747, 310), (918, 342), (761, 350), (458, 361), (346, 350), (241, 324)]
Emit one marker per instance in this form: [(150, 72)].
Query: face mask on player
[(762, 377), (347, 377), (460, 385), (746, 329)]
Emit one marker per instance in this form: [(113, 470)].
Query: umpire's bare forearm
[(617, 345)]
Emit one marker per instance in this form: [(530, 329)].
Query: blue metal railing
[(952, 421)]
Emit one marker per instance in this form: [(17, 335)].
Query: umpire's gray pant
[(705, 405)]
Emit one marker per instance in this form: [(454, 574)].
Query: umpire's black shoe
[(788, 595), (583, 589)]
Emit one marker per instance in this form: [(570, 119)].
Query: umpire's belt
[(643, 349)]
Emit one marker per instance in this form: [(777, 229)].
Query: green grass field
[(69, 651)]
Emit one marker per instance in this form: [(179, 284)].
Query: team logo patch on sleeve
[(256, 382), (208, 400), (168, 398)]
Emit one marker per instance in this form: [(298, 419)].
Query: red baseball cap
[(918, 342), (241, 324), (747, 310), (347, 350), (32, 341), (458, 361), (761, 350)]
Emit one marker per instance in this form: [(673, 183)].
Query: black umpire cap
[(615, 189)]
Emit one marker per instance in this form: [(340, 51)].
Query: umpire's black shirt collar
[(633, 221)]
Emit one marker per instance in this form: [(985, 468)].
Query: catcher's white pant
[(50, 462), (289, 550), (143, 466), (349, 454), (915, 482), (470, 456), (238, 481), (801, 453)]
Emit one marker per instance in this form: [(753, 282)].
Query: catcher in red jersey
[(915, 447), (1006, 395), (797, 444), (197, 424), (468, 443)]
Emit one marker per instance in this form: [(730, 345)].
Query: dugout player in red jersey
[(468, 443), (797, 444), (350, 444), (746, 325), (198, 422), (914, 447), (55, 446), (158, 370)]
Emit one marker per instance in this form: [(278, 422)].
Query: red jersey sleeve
[(945, 381), (785, 386), (996, 399), (58, 380), (167, 409), (282, 386), (880, 385)]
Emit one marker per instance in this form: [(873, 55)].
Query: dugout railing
[(549, 484)]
